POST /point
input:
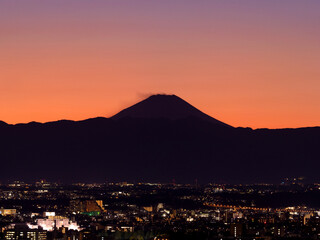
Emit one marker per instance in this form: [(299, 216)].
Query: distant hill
[(159, 139)]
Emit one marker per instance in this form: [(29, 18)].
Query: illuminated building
[(57, 222), (6, 212), (148, 209), (49, 214), (42, 184), (89, 207), (236, 230), (279, 231), (22, 231), (306, 218)]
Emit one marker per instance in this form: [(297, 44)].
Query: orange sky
[(253, 64)]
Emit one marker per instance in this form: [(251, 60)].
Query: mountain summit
[(156, 150), (165, 106)]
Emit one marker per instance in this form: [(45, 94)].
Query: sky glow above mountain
[(247, 63)]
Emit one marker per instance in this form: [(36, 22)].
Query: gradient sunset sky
[(247, 63)]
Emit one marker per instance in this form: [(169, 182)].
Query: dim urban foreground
[(47, 210)]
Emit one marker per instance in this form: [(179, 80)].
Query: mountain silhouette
[(157, 140), (165, 106)]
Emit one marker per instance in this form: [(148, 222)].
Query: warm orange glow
[(241, 67)]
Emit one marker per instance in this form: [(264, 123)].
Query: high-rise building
[(236, 229), (87, 206)]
